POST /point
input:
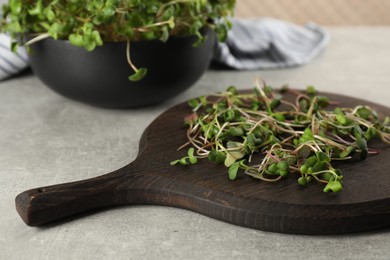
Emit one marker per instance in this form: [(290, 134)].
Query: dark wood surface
[(364, 203)]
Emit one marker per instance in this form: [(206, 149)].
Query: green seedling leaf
[(183, 161), (370, 133), (306, 136), (272, 168), (341, 119), (233, 169), (311, 161), (283, 165), (191, 157), (229, 115), (322, 157), (276, 102), (16, 6), (140, 74), (311, 91), (348, 151), (216, 156), (233, 156), (357, 131), (171, 22), (37, 10), (334, 186), (364, 112), (386, 121), (165, 35), (193, 103), (76, 40), (174, 162), (14, 46), (96, 38), (279, 117), (50, 15), (362, 145), (302, 181), (319, 166), (236, 131), (232, 90), (303, 169), (304, 152), (322, 101)]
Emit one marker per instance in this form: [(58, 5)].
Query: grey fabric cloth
[(269, 44), (11, 63)]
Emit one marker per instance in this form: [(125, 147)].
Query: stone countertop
[(46, 139)]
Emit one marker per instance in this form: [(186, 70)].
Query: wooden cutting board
[(285, 207)]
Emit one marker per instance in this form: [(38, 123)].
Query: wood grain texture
[(284, 206)]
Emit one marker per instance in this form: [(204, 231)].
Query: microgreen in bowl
[(89, 24)]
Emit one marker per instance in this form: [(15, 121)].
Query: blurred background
[(323, 12)]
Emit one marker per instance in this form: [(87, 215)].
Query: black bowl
[(100, 77)]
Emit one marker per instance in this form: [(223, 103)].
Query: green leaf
[(303, 169), (14, 46), (76, 40), (165, 34), (171, 22), (302, 181), (279, 117), (233, 169), (232, 90), (341, 119), (328, 176), (193, 103), (310, 90), (96, 38), (14, 27), (16, 6), (348, 151), (334, 186), (364, 112), (357, 131), (322, 157), (140, 74), (55, 29), (322, 101), (362, 144), (37, 10), (306, 136), (319, 166), (311, 161), (89, 45), (304, 152), (386, 121), (174, 162), (283, 165), (276, 102), (233, 156), (216, 156), (191, 157), (108, 12), (50, 15), (370, 133), (236, 131), (183, 161), (272, 168)]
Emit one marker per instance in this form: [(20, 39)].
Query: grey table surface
[(46, 139)]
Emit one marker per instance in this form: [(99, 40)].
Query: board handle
[(46, 204)]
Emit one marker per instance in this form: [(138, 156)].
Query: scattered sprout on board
[(269, 137)]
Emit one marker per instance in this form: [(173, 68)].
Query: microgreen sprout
[(270, 138)]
